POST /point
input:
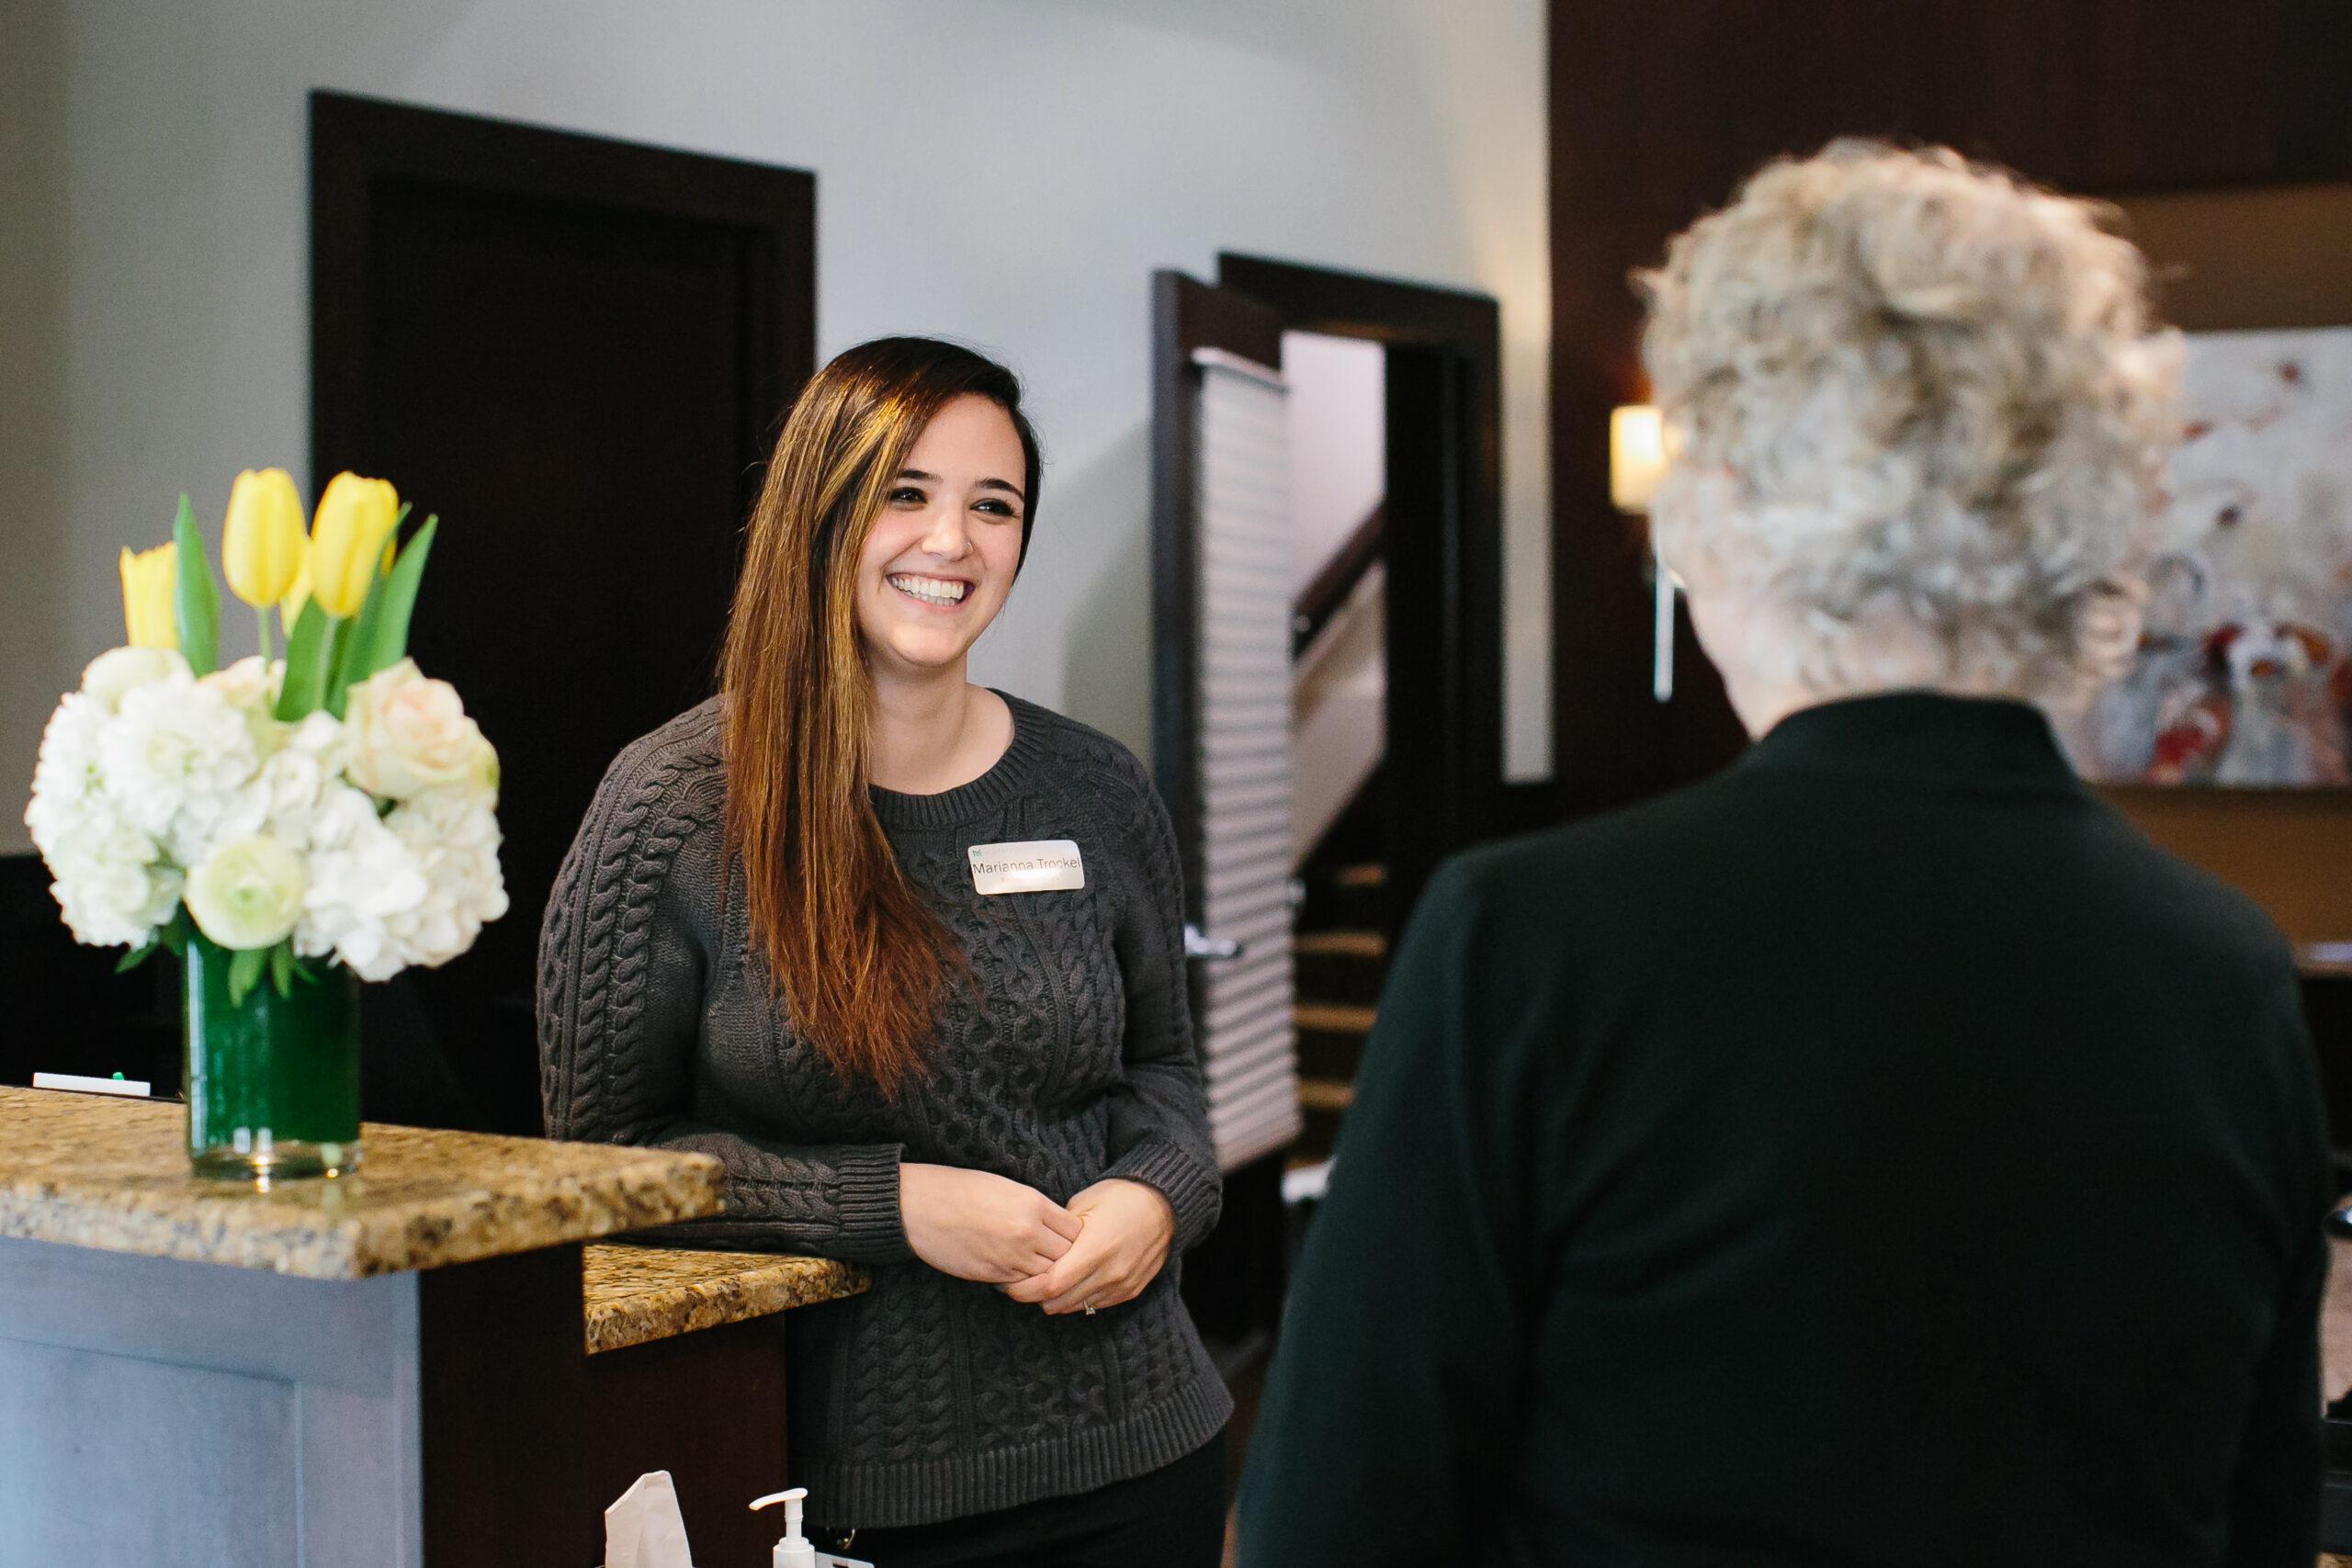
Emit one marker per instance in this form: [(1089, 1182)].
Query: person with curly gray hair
[(1920, 414), (1878, 1152)]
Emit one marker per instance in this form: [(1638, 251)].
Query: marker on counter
[(81, 1085)]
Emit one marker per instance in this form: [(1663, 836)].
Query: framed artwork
[(2245, 670), (2243, 677)]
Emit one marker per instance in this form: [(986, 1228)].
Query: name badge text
[(1038, 865)]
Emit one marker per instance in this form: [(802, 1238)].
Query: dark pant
[(1173, 1517)]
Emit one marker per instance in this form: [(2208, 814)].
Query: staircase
[(1341, 951)]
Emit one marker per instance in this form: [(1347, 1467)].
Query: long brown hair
[(855, 956)]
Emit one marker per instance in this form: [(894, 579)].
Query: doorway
[(1310, 603), (1440, 543)]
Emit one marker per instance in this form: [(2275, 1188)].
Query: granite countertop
[(2325, 959), (112, 1174), (639, 1293)]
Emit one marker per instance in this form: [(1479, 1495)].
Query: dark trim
[(657, 1406), (1443, 505), (1186, 316), (1233, 1281), (356, 142), (2314, 133), (502, 1400), (1355, 304), (1329, 588)]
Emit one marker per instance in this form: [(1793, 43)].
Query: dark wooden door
[(574, 352), (1443, 540)]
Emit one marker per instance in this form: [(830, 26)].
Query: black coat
[(1877, 1154)]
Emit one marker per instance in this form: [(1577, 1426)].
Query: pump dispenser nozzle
[(795, 1550)]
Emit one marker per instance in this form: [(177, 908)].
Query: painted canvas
[(2245, 672)]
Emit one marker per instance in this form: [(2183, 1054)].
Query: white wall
[(1339, 436), (1007, 171)]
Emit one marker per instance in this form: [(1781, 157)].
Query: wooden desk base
[(169, 1412)]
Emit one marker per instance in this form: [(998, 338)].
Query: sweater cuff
[(1195, 1194), (873, 1228)]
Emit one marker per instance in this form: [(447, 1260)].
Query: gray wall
[(1007, 171)]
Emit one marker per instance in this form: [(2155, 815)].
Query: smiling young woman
[(773, 941)]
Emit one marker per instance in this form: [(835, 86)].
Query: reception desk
[(421, 1363)]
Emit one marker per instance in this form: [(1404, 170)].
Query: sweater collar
[(1005, 778), (1921, 734)]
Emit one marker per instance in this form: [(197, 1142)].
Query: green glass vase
[(273, 1081)]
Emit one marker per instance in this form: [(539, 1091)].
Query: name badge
[(1039, 865)]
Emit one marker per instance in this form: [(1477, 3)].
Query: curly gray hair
[(1909, 393)]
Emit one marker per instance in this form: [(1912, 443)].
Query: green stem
[(261, 618)]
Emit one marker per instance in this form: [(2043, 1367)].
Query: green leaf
[(388, 635), (245, 972), (282, 968), (175, 935), (136, 957), (338, 646), (194, 597), (307, 649), (382, 621), (351, 648)]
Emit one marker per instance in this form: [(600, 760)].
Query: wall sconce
[(1636, 456), (1637, 463)]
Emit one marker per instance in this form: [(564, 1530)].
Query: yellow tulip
[(261, 543), (351, 530), (290, 607), (150, 579)]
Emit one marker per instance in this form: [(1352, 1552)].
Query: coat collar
[(1920, 735)]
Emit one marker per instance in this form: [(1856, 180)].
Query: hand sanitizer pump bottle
[(795, 1550)]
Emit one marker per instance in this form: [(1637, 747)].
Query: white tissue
[(644, 1530)]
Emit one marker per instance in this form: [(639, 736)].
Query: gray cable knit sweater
[(929, 1397)]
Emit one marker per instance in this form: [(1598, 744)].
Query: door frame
[(1443, 500), (1188, 316), (357, 142)]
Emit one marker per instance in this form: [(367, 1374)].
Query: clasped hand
[(1101, 1249)]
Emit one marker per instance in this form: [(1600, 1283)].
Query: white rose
[(175, 759), (362, 878), (249, 682), (454, 835), (410, 734), (248, 893), (116, 671)]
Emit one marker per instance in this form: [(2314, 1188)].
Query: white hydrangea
[(118, 670), (175, 760), (111, 883), (363, 878), (454, 835), (251, 686), (285, 796), (148, 771), (65, 778)]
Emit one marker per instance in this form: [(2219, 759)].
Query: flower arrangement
[(333, 803)]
